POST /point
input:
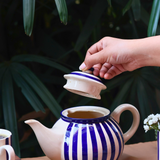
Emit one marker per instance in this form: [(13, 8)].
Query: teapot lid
[(84, 84)]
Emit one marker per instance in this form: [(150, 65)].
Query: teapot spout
[(47, 139)]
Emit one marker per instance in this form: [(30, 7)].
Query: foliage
[(32, 68)]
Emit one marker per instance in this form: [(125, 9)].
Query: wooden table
[(139, 151)]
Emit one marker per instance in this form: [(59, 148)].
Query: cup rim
[(5, 132)]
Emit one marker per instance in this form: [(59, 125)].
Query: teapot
[(85, 132)]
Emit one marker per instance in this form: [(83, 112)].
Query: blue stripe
[(7, 156), (94, 143), (84, 142), (7, 143), (117, 126), (103, 141), (111, 140), (75, 142), (87, 76), (118, 137), (66, 141)]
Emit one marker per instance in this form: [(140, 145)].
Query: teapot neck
[(85, 114)]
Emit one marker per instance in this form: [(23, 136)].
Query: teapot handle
[(136, 119)]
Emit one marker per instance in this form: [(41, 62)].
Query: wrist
[(151, 51), (146, 51)]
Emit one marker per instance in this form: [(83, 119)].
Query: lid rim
[(87, 76)]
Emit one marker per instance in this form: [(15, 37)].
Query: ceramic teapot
[(85, 133)]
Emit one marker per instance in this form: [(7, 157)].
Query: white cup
[(6, 150)]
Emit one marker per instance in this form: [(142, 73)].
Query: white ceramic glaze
[(85, 138), (84, 84), (5, 146)]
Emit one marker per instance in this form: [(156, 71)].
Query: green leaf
[(145, 18), (151, 76), (28, 16), (151, 94), (143, 98), (122, 94), (27, 91), (51, 79), (109, 2), (39, 88), (136, 8), (2, 71), (118, 80), (135, 31), (9, 111), (39, 59), (11, 10), (48, 45), (127, 7), (91, 21), (144, 92), (154, 18), (31, 141), (133, 92), (62, 10), (84, 101), (60, 97)]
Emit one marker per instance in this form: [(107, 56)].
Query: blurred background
[(37, 50)]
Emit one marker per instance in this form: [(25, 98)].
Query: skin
[(111, 56)]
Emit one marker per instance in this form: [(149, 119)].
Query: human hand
[(111, 56)]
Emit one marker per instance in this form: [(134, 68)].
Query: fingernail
[(82, 67)]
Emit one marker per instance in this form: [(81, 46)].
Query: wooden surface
[(139, 151), (17, 158)]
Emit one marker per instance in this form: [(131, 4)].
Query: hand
[(111, 56)]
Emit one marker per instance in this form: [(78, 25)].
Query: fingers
[(108, 71), (97, 68), (112, 72), (95, 48), (93, 56), (97, 58), (92, 60), (104, 69)]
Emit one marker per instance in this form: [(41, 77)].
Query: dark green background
[(32, 67)]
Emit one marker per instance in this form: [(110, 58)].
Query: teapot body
[(85, 133), (90, 138)]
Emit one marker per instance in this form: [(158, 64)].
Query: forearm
[(148, 51)]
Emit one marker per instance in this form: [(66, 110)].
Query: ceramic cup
[(6, 150)]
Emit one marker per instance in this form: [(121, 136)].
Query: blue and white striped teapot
[(85, 133)]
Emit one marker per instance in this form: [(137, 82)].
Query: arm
[(111, 56)]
